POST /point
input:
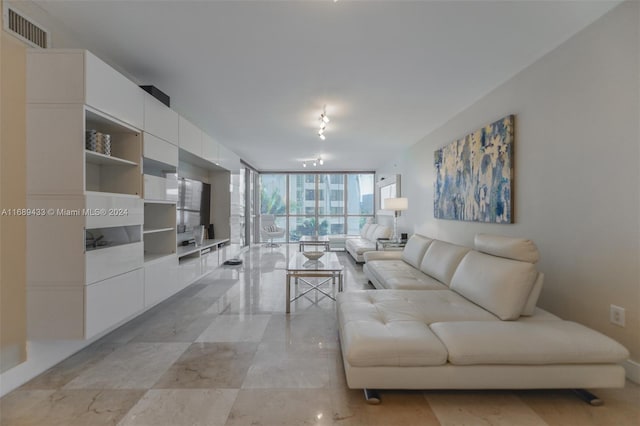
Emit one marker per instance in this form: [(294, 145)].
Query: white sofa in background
[(445, 316), (369, 234)]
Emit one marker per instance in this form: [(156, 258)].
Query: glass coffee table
[(300, 269), (315, 241)]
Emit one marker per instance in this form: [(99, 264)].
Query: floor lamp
[(397, 205)]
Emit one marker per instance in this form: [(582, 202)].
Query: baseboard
[(41, 357), (632, 369)]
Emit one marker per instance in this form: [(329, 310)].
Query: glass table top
[(328, 262)]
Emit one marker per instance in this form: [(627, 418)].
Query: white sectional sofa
[(369, 234), (445, 316)]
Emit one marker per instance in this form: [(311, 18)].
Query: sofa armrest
[(382, 255)]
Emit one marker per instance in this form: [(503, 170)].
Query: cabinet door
[(117, 210), (209, 148), (189, 270), (109, 91), (209, 261), (107, 262), (160, 189), (160, 120), (160, 280), (160, 150), (55, 76), (190, 137), (112, 301)]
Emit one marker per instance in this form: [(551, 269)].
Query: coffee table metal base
[(300, 276)]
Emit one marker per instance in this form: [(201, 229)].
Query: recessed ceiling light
[(322, 136)]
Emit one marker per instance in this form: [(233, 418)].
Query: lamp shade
[(397, 204)]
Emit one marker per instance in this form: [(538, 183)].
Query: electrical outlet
[(616, 315)]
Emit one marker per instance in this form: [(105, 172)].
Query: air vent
[(24, 28)]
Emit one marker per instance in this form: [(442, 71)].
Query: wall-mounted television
[(193, 206)]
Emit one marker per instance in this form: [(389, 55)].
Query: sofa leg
[(372, 396), (588, 397)]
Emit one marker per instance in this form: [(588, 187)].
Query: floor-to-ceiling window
[(317, 203), (273, 200), (360, 201)]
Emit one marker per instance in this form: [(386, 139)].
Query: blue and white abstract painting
[(474, 175)]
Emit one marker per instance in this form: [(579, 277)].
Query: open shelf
[(106, 160)]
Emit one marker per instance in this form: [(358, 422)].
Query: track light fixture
[(315, 162), (324, 119)]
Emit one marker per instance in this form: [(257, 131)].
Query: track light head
[(322, 136)]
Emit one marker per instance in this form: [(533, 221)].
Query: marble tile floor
[(222, 352)]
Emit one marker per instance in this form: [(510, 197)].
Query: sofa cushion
[(499, 285), (535, 342), (359, 245), (369, 234), (380, 232), (409, 305), (373, 343), (414, 250), (511, 248), (391, 327), (397, 274), (363, 231), (441, 260)]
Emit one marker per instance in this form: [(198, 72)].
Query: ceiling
[(256, 75)]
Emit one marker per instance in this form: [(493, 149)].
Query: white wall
[(577, 190)]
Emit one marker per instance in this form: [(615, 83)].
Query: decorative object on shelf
[(313, 255), (324, 119), (315, 162), (98, 142), (397, 205), (198, 234), (474, 175)]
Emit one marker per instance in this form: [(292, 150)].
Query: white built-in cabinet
[(84, 246), (160, 182), (101, 243)]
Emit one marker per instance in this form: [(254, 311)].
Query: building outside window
[(318, 203)]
